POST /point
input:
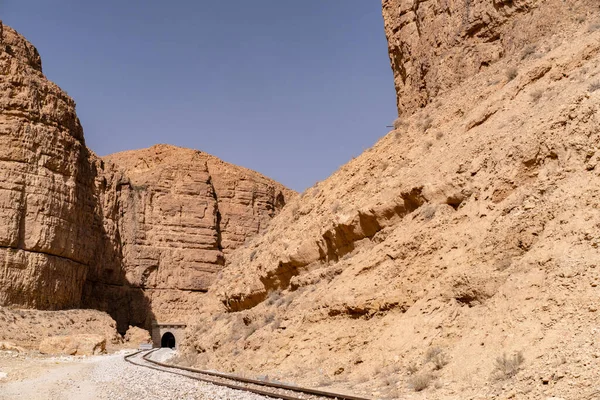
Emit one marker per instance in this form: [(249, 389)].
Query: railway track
[(268, 389)]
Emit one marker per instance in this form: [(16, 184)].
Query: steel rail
[(281, 386)]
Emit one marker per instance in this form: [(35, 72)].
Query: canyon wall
[(435, 45), (138, 234), (466, 233)]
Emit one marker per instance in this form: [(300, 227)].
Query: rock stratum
[(467, 233), (139, 234)]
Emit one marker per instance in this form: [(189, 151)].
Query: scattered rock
[(136, 335), (76, 345)]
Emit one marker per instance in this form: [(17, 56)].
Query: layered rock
[(76, 230), (434, 45), (181, 212), (467, 232), (76, 345), (47, 202)]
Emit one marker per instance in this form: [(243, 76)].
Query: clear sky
[(292, 89)]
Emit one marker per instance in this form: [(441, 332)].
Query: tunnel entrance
[(168, 340)]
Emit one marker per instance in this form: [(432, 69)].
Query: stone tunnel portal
[(168, 340), (167, 334)]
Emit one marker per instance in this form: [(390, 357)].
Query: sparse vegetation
[(420, 382), (528, 50), (511, 73), (536, 95), (412, 368), (335, 207), (425, 123), (594, 86), (399, 124), (428, 212), (507, 367), (437, 357)]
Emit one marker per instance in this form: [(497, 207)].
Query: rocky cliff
[(180, 213), (47, 212), (127, 234), (435, 45), (457, 258)]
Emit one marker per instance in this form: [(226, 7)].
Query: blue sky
[(292, 89)]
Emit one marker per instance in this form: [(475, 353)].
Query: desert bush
[(425, 123), (594, 86), (412, 368), (511, 73), (420, 382), (507, 367), (335, 207), (440, 361), (437, 357), (399, 124), (536, 95), (428, 212), (528, 50)]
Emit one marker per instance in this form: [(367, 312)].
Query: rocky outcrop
[(134, 231), (76, 345), (47, 204), (180, 213), (465, 233), (134, 336), (28, 328), (435, 45)]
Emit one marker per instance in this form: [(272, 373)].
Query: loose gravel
[(111, 377)]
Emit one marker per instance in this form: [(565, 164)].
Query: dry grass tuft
[(511, 73), (528, 50), (536, 95), (594, 27), (594, 86), (507, 367), (420, 382)]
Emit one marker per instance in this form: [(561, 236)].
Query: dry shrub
[(412, 368), (507, 367), (399, 124), (536, 95), (528, 50), (425, 123), (594, 86), (335, 207), (437, 357), (420, 382), (511, 73)]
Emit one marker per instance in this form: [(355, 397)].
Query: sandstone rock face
[(135, 232), (28, 328), (180, 213), (46, 186), (472, 235), (77, 345), (8, 346), (434, 45), (135, 336)]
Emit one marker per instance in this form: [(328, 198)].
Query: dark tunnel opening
[(168, 340)]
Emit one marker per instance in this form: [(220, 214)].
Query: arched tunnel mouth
[(168, 340)]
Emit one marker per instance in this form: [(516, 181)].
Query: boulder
[(137, 335), (75, 345), (8, 346)]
